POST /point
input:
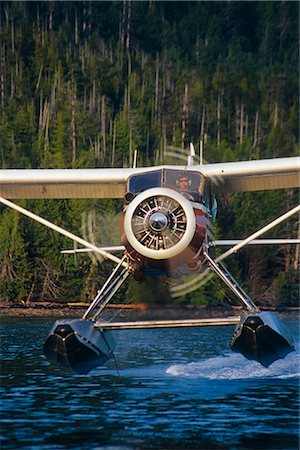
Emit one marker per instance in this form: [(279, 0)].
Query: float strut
[(232, 284), (110, 287)]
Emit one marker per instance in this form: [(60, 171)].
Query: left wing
[(63, 183), (279, 173)]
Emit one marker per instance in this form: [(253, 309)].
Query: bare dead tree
[(255, 268), (219, 104), (50, 289), (241, 123), (76, 27), (185, 108), (103, 125), (156, 85), (297, 250), (113, 154), (255, 136), (2, 76), (73, 121)]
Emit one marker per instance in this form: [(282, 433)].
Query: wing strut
[(60, 230), (258, 233), (230, 242)]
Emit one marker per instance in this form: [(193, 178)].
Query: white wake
[(234, 366)]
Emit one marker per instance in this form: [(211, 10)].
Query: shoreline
[(135, 311)]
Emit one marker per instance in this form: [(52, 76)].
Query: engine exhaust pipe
[(263, 337), (78, 345)]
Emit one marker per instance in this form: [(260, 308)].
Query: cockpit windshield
[(141, 182), (179, 180)]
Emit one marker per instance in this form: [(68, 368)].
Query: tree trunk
[(237, 121), (113, 155), (103, 126), (255, 137), (164, 140), (2, 78), (12, 37), (39, 78), (184, 115), (128, 24), (156, 86), (242, 123), (130, 148), (46, 142), (275, 115), (73, 122), (38, 24), (202, 125), (297, 250), (219, 120), (50, 23), (53, 92)]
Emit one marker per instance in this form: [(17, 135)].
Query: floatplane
[(167, 231)]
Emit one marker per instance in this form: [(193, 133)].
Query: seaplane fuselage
[(166, 222)]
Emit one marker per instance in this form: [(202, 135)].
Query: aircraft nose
[(158, 221)]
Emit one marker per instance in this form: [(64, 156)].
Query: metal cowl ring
[(159, 223)]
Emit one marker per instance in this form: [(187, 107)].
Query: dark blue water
[(177, 389)]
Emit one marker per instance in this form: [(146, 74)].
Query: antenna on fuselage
[(134, 165), (201, 152), (191, 155)]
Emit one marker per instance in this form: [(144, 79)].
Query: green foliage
[(15, 269), (148, 292), (285, 287)]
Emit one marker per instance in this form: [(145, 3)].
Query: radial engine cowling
[(159, 224)]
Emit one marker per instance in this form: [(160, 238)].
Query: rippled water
[(176, 389)]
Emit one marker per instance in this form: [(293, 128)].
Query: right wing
[(255, 175)]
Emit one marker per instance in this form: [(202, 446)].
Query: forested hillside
[(84, 84)]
